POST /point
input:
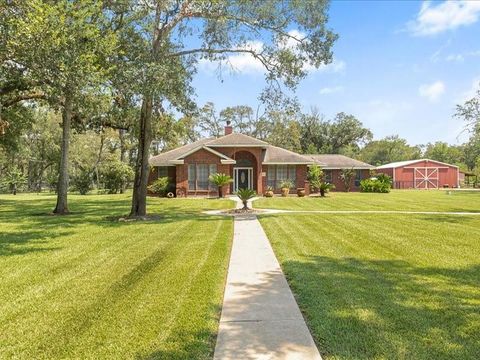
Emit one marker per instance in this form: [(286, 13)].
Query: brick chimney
[(228, 128)]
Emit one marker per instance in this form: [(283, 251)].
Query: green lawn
[(86, 286), (384, 286), (415, 200)]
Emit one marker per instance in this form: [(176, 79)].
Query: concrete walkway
[(260, 318)]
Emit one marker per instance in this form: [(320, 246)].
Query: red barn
[(421, 174)]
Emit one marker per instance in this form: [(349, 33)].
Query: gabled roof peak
[(236, 139)]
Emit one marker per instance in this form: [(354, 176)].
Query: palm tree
[(325, 187), (245, 195), (220, 180)]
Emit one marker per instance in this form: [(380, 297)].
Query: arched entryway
[(245, 171)]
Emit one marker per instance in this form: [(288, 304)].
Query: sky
[(400, 67)]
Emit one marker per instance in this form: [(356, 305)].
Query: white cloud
[(455, 58), (432, 91), (239, 62), (330, 90), (448, 15), (247, 64), (336, 66), (463, 56)]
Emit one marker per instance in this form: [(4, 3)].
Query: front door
[(242, 178)]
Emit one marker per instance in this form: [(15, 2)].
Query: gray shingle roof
[(271, 154), (277, 155), (164, 159), (235, 139), (336, 161)]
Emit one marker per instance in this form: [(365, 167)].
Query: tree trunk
[(121, 136), (220, 192), (322, 192), (62, 188), (139, 197), (99, 159)]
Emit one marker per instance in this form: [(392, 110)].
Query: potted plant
[(325, 187), (269, 191), (285, 186), (301, 192), (245, 195), (220, 180)]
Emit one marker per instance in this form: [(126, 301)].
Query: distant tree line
[(87, 84), (128, 66)]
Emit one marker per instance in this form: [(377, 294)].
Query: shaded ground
[(384, 286), (84, 286)]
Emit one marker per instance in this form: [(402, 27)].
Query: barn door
[(426, 178)]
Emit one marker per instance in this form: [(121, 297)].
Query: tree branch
[(28, 96)]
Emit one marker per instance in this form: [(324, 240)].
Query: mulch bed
[(242, 211)]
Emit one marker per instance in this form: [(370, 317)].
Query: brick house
[(252, 163)]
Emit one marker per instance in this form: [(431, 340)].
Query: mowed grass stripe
[(395, 287), (400, 200), (111, 289), (187, 289), (97, 261), (122, 295)]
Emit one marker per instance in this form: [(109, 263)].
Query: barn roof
[(336, 161), (411, 162)]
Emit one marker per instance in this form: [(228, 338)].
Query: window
[(278, 173), (212, 169), (292, 173), (162, 171), (198, 176), (282, 172), (191, 177), (358, 177), (328, 176), (202, 177)]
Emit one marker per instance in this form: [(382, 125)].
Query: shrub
[(315, 176), (14, 179), (160, 186), (114, 175), (384, 178), (287, 184), (82, 182), (375, 185), (245, 195), (347, 175), (325, 188), (220, 180)]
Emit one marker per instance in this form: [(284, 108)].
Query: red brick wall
[(340, 185), (153, 175), (200, 157), (300, 178), (255, 154)]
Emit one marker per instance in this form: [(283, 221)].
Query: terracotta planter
[(285, 192), (300, 192), (269, 193)]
